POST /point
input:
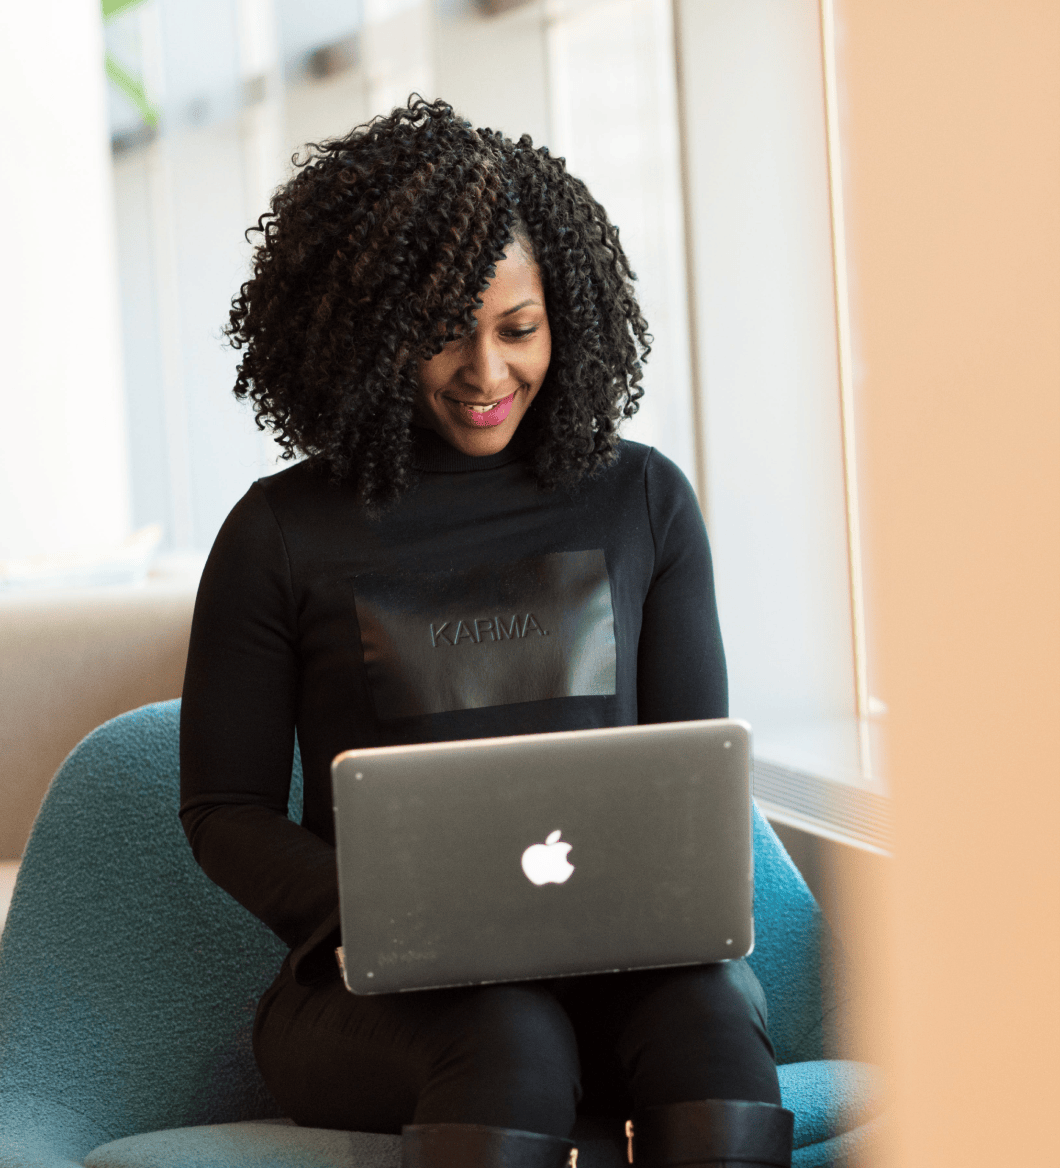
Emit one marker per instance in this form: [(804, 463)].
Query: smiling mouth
[(491, 414)]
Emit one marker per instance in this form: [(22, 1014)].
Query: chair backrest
[(795, 956), (128, 981)]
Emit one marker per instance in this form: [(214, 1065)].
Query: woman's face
[(475, 392)]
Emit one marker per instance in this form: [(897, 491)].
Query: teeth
[(482, 409)]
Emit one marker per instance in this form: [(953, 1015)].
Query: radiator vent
[(837, 810)]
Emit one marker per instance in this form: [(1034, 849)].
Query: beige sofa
[(69, 660)]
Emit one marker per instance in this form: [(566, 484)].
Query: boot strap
[(712, 1130)]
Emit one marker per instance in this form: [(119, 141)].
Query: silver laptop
[(544, 855)]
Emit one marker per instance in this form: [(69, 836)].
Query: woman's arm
[(237, 736), (680, 659)]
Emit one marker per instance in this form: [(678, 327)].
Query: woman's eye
[(518, 334)]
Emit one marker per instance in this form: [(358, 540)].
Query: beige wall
[(952, 139)]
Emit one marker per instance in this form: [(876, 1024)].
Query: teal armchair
[(128, 983)]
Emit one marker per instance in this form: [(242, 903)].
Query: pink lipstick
[(491, 417)]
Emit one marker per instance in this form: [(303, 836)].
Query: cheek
[(429, 377)]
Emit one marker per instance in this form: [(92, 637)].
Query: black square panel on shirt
[(488, 635)]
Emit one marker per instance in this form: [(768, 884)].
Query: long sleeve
[(680, 660), (237, 736)]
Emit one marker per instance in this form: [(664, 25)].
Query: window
[(708, 145)]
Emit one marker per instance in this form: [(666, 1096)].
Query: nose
[(485, 367)]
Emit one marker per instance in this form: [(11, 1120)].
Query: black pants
[(526, 1056)]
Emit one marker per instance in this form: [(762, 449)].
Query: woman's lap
[(502, 1055), (518, 1055)]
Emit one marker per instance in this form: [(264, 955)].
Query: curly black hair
[(376, 252)]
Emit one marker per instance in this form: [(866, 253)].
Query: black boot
[(718, 1132), (473, 1145)]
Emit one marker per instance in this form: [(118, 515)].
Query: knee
[(514, 1026), (728, 989), (697, 1003), (701, 1034), (508, 1058)]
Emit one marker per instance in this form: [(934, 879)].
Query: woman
[(443, 322)]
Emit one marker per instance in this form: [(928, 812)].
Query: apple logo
[(547, 863)]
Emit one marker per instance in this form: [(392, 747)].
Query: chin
[(482, 442)]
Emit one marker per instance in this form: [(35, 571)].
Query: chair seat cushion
[(828, 1097), (279, 1144), (259, 1143)]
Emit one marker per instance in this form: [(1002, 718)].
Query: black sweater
[(478, 606)]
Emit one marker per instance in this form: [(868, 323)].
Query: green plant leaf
[(133, 88), (112, 8)]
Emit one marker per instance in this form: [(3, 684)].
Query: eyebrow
[(524, 304)]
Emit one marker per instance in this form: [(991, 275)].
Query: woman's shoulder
[(661, 476), (274, 507), (302, 478), (298, 491), (631, 452)]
